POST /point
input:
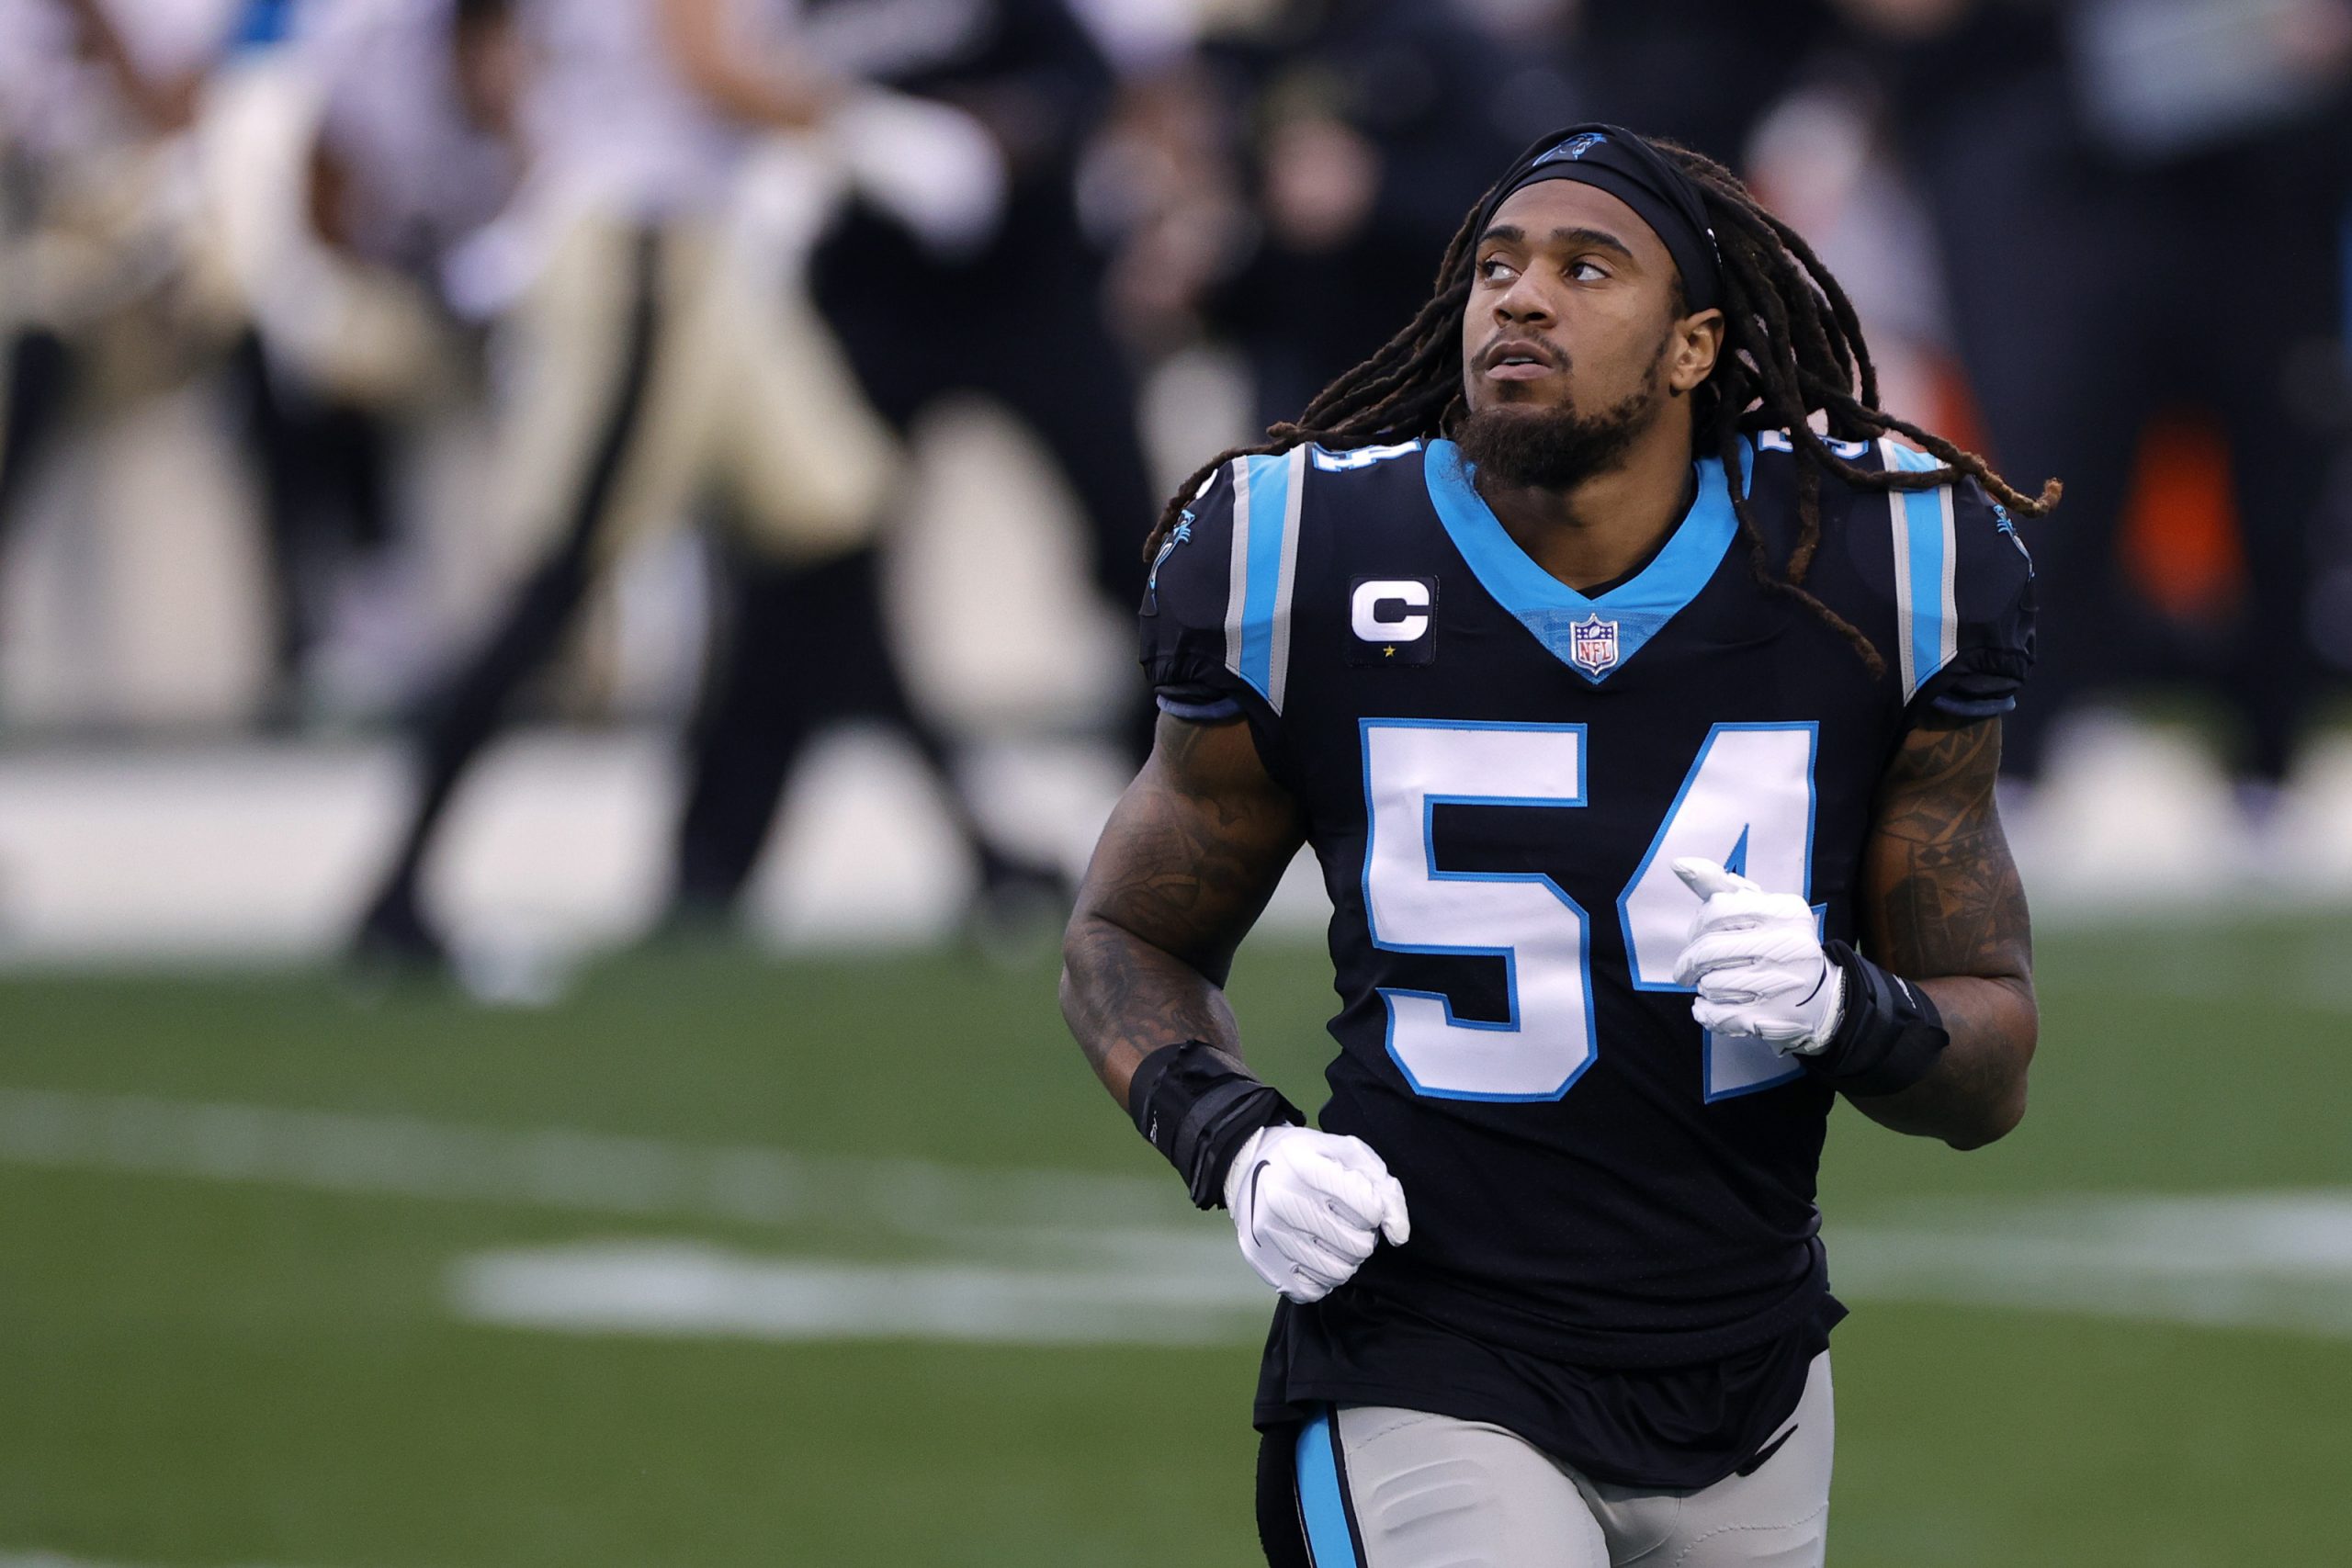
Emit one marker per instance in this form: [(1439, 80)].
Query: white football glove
[(1309, 1207), (1755, 959)]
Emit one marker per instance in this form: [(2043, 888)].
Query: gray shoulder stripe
[(1237, 582), (1267, 490)]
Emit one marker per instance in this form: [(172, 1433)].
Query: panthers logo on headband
[(1574, 147)]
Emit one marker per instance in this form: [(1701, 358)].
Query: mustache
[(1522, 343)]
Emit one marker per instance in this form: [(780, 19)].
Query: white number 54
[(1748, 801)]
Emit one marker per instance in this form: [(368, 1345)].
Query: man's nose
[(1523, 304)]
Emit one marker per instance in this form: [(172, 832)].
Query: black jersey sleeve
[(1183, 620), (1961, 583), (1216, 610), (1970, 658), (1941, 582)]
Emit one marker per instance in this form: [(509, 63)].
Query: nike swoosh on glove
[(1310, 1206), (1755, 959)]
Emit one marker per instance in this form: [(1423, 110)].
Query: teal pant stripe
[(1325, 1512)]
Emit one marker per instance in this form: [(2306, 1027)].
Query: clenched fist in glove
[(1756, 960), (1309, 1207)]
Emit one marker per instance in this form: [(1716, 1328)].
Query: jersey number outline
[(1749, 800)]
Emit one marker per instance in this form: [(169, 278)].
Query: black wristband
[(1198, 1109), (1889, 1033)]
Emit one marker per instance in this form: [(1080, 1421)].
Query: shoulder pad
[(1217, 608), (1945, 573), (1963, 592)]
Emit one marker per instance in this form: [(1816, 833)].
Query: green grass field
[(200, 1367)]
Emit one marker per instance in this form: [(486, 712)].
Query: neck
[(1602, 527)]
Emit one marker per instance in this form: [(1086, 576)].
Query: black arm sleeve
[(1183, 623), (1994, 608)]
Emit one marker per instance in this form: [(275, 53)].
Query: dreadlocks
[(1792, 348)]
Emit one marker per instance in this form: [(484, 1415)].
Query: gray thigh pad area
[(1434, 1492)]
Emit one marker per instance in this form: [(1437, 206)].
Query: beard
[(1555, 448)]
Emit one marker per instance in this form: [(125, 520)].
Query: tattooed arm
[(1942, 907), (1190, 857)]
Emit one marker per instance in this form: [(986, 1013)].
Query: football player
[(1636, 681), (653, 356)]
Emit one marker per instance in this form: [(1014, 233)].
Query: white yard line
[(2275, 1260), (1039, 1257), (2278, 1261), (556, 1168), (1183, 1296), (1062, 1257)]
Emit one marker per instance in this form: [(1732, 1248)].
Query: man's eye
[(1585, 272), (1494, 269)]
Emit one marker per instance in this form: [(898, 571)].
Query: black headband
[(1611, 158)]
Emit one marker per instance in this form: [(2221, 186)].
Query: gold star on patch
[(1388, 653)]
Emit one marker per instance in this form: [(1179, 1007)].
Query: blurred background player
[(108, 288), (379, 146), (1365, 117), (658, 358), (1347, 117), (2137, 204), (662, 358), (930, 299)]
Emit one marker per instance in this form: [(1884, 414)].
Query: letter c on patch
[(1371, 598)]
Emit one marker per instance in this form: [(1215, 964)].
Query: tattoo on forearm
[(1943, 908), (1949, 899), (1184, 867), (1124, 999)]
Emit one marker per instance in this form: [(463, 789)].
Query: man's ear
[(1691, 353)]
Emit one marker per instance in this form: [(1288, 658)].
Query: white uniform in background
[(105, 242), (613, 120), (648, 355), (423, 176), (61, 106), (656, 353), (373, 84)]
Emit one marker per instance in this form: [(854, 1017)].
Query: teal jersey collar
[(1593, 636)]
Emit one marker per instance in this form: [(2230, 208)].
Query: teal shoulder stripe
[(1925, 610), (1268, 491)]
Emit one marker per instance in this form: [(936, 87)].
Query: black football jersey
[(1497, 773)]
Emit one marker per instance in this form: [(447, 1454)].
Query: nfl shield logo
[(1592, 643)]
